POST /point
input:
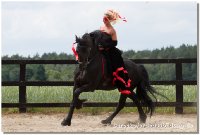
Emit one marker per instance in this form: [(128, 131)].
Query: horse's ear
[(77, 39), (92, 35)]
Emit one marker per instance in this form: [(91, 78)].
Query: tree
[(54, 75), (65, 72), (14, 74), (40, 74), (5, 74), (29, 74)]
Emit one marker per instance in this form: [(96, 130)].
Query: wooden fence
[(22, 83)]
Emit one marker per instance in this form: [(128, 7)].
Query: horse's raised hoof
[(80, 103), (143, 119), (106, 122), (66, 123)]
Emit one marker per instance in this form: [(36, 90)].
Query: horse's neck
[(92, 67), (94, 51), (96, 56)]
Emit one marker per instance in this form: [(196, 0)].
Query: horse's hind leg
[(142, 115), (120, 106)]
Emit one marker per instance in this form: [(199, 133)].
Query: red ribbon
[(74, 51), (123, 19), (117, 77), (126, 92)]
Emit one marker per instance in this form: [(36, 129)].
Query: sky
[(30, 28)]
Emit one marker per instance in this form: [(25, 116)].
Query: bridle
[(89, 59)]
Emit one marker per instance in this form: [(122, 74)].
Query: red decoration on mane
[(74, 51)]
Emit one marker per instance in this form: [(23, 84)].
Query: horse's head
[(84, 46)]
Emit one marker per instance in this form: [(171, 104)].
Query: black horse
[(90, 77)]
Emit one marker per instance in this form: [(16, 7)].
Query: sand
[(48, 123)]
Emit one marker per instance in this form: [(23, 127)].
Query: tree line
[(64, 72)]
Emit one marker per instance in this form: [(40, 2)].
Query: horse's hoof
[(66, 123), (143, 119), (106, 122)]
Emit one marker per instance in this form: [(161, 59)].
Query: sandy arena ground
[(92, 123)]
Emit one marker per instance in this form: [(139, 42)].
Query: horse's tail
[(143, 89)]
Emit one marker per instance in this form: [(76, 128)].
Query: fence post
[(179, 89), (22, 88)]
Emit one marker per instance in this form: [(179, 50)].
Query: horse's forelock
[(86, 36), (85, 39)]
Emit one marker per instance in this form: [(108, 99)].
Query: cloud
[(56, 23), (31, 23)]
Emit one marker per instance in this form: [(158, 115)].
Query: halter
[(76, 54)]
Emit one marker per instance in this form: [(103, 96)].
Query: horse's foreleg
[(79, 101), (76, 93), (67, 120), (120, 106), (142, 115)]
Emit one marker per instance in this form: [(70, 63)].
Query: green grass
[(64, 94)]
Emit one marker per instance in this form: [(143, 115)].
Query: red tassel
[(127, 92), (74, 51), (123, 19)]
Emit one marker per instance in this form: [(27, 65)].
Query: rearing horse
[(89, 77)]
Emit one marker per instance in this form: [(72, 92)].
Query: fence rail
[(22, 83)]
